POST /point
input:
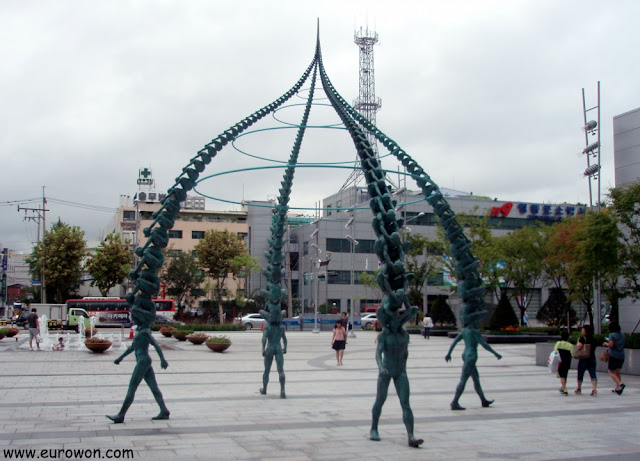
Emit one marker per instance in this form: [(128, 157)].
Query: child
[(565, 349), (60, 345)]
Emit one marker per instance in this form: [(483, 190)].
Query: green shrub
[(555, 331), (503, 316), (219, 339)]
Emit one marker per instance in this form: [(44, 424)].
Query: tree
[(216, 252), (370, 281), (624, 204), (182, 276), (441, 313), (504, 316), (523, 251), (61, 251), (110, 264), (423, 261), (555, 309)]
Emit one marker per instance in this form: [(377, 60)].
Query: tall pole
[(43, 289)]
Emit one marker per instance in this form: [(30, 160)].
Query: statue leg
[(150, 379), (280, 365), (136, 378), (476, 385), (381, 397), (466, 371), (402, 388), (268, 360)]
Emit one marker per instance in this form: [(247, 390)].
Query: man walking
[(34, 327), (427, 323)]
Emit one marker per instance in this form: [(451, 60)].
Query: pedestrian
[(525, 320), (428, 325), (565, 349), (377, 326), (345, 322), (339, 340), (615, 343), (34, 328), (589, 363)]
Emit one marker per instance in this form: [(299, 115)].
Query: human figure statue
[(472, 338), (391, 357), (143, 370), (271, 337)]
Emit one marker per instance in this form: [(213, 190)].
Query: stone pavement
[(57, 400)]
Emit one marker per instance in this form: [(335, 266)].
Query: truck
[(60, 316)]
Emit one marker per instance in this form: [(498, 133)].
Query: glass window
[(197, 235), (128, 215), (175, 234)]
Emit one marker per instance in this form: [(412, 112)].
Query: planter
[(167, 331), (98, 346), (180, 336), (12, 331), (197, 339), (89, 332), (218, 347), (2, 335)]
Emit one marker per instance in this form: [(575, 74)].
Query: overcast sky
[(485, 95)]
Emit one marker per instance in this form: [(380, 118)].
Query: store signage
[(538, 211)]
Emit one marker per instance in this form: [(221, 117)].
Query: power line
[(17, 202), (82, 205)]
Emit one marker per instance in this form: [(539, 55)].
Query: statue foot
[(162, 415), (486, 403), (116, 418), (456, 406), (263, 391), (415, 443), (282, 394), (373, 435)]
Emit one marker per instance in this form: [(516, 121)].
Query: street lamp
[(592, 149), (351, 223)]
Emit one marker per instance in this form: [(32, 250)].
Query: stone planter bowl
[(197, 339), (97, 347), (218, 347)]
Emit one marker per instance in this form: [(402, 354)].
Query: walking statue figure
[(472, 338), (271, 336), (391, 357), (143, 370)]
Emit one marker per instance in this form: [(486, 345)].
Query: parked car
[(166, 320), (368, 320), (251, 321)]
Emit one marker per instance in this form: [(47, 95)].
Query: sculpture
[(391, 357), (142, 318), (271, 337), (472, 338)]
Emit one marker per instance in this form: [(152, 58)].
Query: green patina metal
[(395, 310)]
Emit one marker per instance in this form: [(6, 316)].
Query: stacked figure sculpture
[(395, 310)]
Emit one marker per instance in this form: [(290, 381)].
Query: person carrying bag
[(585, 353)]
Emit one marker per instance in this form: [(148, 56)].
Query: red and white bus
[(115, 311)]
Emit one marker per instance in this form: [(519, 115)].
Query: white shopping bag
[(554, 361)]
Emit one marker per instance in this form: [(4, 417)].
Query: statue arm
[(264, 342), (484, 344), (163, 362), (124, 354), (284, 341), (453, 345), (379, 349)]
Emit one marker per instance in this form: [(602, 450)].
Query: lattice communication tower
[(366, 103)]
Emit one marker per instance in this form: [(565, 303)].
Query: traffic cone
[(262, 327), (131, 332)]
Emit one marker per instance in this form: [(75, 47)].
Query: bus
[(115, 311)]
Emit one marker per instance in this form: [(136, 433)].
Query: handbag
[(604, 355), (583, 353)]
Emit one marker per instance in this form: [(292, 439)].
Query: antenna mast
[(367, 103)]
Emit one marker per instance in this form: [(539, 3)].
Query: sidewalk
[(57, 400)]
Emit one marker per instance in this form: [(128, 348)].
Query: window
[(244, 235), (305, 248), (338, 205), (344, 246), (175, 234), (128, 215), (173, 252), (194, 253), (197, 235), (328, 210)]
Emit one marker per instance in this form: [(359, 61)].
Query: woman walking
[(589, 363), (339, 340), (615, 343)]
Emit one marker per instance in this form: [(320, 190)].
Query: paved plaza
[(57, 400)]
